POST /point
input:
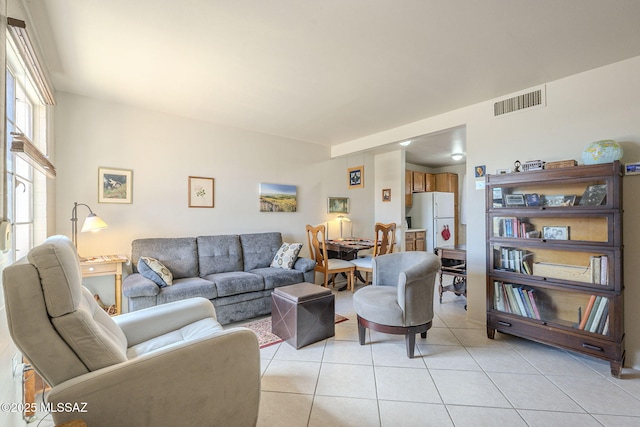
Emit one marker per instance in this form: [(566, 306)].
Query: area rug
[(262, 328)]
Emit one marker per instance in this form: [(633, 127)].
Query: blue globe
[(605, 151)]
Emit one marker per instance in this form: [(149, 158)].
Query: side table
[(106, 265)]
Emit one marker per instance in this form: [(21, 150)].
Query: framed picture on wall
[(338, 205), (386, 194), (356, 177), (115, 185), (200, 192), (278, 198)]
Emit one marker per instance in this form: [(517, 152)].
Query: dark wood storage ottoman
[(302, 314)]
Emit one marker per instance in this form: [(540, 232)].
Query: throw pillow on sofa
[(155, 271), (286, 256)]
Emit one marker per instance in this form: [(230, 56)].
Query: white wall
[(163, 151), (598, 104), (389, 174)]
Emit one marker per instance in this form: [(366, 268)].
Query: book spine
[(518, 296), (512, 299), (604, 270), (596, 319), (587, 312), (596, 304), (532, 298)]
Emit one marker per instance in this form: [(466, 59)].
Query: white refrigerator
[(434, 211)]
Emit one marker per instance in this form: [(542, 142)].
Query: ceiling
[(328, 71)]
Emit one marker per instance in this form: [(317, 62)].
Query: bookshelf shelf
[(554, 258)]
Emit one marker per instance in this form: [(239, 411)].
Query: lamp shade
[(93, 223)]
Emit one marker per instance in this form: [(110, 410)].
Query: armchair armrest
[(136, 285), (304, 264), (213, 381), (142, 325)]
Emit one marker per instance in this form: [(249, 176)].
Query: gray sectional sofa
[(233, 271)]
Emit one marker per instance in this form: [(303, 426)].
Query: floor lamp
[(91, 223)]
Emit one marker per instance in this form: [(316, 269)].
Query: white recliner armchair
[(168, 365)]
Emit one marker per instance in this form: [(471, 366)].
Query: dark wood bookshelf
[(568, 232)]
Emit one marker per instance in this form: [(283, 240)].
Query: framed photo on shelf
[(200, 192), (514, 200), (559, 200), (555, 232), (356, 177), (338, 205), (594, 195), (115, 185), (386, 194), (532, 199)]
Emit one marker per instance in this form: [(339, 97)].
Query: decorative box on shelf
[(560, 164)]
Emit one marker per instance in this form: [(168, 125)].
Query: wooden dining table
[(347, 249)]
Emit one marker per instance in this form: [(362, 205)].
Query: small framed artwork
[(356, 177), (532, 199), (115, 185), (200, 192), (555, 233), (569, 200), (278, 198), (553, 201), (594, 195), (480, 171), (386, 195), (338, 205), (514, 200)]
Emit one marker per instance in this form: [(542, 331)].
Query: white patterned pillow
[(286, 256), (154, 270)]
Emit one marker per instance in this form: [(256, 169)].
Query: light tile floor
[(458, 378)]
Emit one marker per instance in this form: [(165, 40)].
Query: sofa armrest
[(136, 285), (142, 325), (213, 381), (304, 264)]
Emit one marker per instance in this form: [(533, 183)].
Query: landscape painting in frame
[(278, 198), (114, 185)]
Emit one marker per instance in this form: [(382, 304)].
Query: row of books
[(596, 316), (513, 227), (516, 300), (514, 259), (599, 269)]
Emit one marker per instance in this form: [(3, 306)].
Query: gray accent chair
[(401, 298), (168, 365)]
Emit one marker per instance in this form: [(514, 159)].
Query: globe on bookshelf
[(605, 151)]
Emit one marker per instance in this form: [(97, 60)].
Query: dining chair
[(324, 265), (383, 242)]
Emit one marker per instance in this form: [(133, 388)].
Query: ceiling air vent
[(535, 98)]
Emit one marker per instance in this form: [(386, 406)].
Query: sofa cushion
[(219, 254), (155, 271), (187, 288), (286, 256), (276, 277), (258, 249), (236, 282), (179, 255)]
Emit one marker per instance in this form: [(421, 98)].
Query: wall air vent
[(523, 101)]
